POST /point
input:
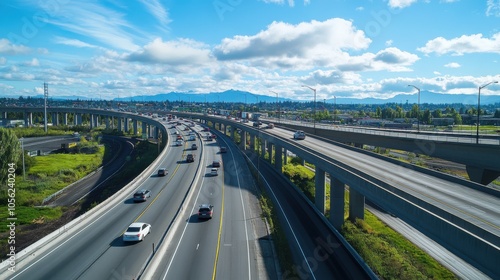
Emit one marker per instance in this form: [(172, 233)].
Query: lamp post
[(22, 150), (478, 108), (418, 108), (334, 110), (314, 111), (277, 105)]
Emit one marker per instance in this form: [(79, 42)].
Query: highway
[(474, 206), (225, 246)]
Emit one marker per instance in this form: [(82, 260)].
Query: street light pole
[(479, 108), (314, 111), (334, 110), (277, 105), (418, 108)]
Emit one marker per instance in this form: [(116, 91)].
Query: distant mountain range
[(234, 96)]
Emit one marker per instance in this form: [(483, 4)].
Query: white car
[(299, 134), (214, 171), (136, 232)]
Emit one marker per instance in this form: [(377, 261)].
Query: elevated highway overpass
[(450, 210)]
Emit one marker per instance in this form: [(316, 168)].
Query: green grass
[(31, 215)]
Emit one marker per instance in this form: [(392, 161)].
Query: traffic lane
[(195, 243), (478, 207), (317, 251), (130, 258), (82, 249), (48, 143), (238, 257)]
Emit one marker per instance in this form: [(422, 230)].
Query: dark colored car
[(194, 147), (223, 149), (205, 211), (216, 163), (162, 172), (190, 158), (142, 195)]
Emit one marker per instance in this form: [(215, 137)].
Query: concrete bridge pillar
[(262, 148), (26, 119), (270, 151), (356, 205), (252, 142), (30, 118), (144, 130), (320, 190), (285, 156), (78, 119), (65, 119), (91, 121), (106, 122), (243, 139), (127, 124), (4, 115), (156, 132), (278, 154), (120, 125), (55, 119), (337, 192), (135, 126), (481, 175), (96, 120)]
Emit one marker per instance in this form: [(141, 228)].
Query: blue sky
[(342, 48)]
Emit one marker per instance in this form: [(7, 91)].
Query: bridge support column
[(232, 134), (278, 154), (356, 205), (26, 119), (285, 157), (127, 124), (91, 121), (106, 122), (4, 115), (55, 119), (30, 119), (156, 132), (481, 175), (262, 148), (320, 190), (337, 192), (144, 130), (120, 125), (78, 119), (270, 151), (252, 142), (243, 139), (135, 126), (65, 119)]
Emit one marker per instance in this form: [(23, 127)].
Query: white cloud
[(452, 65), (95, 22), (388, 43), (475, 43), (179, 52), (33, 63), (73, 42), (6, 47), (158, 11), (493, 8), (303, 45), (401, 3)]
